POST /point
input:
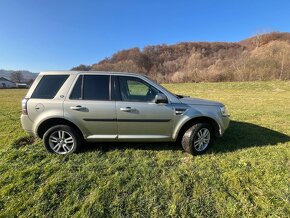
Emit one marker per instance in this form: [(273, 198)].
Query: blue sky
[(39, 35)]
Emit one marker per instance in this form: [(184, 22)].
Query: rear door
[(91, 107), (138, 116)]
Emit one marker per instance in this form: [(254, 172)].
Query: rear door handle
[(78, 108), (126, 109)]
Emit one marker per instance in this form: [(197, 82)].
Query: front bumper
[(225, 122)]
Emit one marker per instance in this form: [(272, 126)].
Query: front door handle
[(78, 108), (126, 109)]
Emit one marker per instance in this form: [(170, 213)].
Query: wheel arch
[(202, 119), (46, 124)]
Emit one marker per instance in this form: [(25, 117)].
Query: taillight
[(24, 106)]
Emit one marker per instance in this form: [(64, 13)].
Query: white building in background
[(21, 85), (5, 83)]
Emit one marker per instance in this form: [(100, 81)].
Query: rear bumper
[(27, 124)]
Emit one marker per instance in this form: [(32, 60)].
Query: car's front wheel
[(197, 139), (61, 139)]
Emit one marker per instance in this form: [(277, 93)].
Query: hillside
[(27, 75), (261, 57)]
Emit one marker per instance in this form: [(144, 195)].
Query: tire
[(62, 139), (199, 131)]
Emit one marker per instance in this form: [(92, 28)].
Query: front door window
[(136, 90)]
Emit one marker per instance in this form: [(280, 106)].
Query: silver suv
[(66, 108)]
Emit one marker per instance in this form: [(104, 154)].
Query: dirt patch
[(21, 142)]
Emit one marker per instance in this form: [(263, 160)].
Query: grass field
[(246, 173)]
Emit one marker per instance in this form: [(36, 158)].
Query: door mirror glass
[(161, 98)]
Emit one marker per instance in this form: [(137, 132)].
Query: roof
[(87, 72), (4, 79)]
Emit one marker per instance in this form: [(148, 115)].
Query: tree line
[(261, 57)]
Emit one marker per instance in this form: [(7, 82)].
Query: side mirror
[(161, 98)]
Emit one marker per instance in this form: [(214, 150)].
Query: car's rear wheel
[(197, 139), (61, 139)]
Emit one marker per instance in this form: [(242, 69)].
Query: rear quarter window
[(48, 86)]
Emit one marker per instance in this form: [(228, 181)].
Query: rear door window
[(96, 87), (92, 87), (48, 86)]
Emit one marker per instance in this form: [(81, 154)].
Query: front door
[(138, 116), (90, 107)]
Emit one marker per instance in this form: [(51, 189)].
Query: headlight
[(224, 111)]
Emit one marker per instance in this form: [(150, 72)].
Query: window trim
[(73, 86), (115, 94), (82, 87), (118, 90)]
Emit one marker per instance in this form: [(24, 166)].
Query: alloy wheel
[(202, 139), (61, 142)]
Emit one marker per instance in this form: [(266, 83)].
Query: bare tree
[(29, 82), (282, 65), (259, 38), (82, 67), (16, 76)]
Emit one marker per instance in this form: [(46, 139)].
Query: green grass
[(246, 173)]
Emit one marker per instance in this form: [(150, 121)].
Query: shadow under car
[(239, 135)]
